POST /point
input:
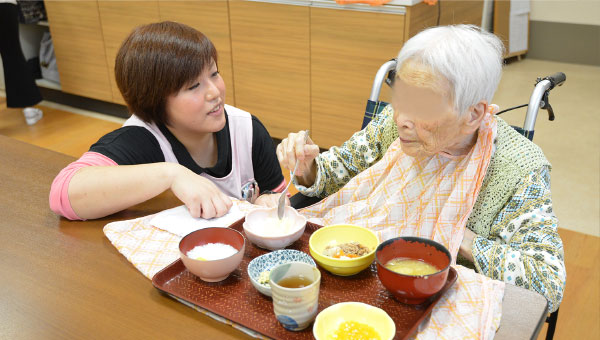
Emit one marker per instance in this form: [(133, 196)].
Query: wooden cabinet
[(347, 49), (119, 18), (512, 26), (271, 55), (421, 15), (210, 17), (79, 48), (298, 65)]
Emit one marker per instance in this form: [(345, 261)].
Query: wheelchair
[(539, 100)]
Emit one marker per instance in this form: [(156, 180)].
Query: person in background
[(445, 79), (21, 90), (181, 136)]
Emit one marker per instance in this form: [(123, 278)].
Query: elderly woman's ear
[(474, 117)]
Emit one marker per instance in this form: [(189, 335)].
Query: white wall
[(586, 12)]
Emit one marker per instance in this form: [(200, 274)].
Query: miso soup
[(413, 267)]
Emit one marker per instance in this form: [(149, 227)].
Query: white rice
[(212, 251)]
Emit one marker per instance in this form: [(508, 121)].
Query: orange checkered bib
[(400, 195), (430, 197)]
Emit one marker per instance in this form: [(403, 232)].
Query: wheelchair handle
[(380, 77), (556, 79), (539, 97)]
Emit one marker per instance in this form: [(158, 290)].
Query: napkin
[(178, 220)]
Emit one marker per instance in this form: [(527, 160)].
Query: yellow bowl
[(330, 318), (342, 233)]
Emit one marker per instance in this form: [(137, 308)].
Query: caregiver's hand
[(292, 149), (201, 196)]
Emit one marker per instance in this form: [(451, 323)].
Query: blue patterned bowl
[(268, 261)]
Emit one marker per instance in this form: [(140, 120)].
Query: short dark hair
[(157, 60)]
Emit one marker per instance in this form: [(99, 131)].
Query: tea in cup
[(295, 291)]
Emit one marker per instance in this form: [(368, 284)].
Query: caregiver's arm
[(335, 167), (87, 191), (524, 247)]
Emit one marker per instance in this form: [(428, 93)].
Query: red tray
[(237, 300)]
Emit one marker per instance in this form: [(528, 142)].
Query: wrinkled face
[(426, 119), (198, 106)]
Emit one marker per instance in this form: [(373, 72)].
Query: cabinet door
[(79, 48), (347, 48), (210, 17), (270, 50), (421, 15), (118, 19)]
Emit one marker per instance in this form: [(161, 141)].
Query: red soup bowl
[(212, 270), (412, 289)]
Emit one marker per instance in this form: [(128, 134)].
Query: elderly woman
[(438, 159)]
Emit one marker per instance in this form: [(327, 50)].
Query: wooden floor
[(579, 316)]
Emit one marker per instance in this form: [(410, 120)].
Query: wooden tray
[(237, 300)]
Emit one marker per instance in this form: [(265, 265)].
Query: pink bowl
[(255, 223), (212, 270), (408, 288)]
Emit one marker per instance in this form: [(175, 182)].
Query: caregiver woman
[(446, 78), (180, 137)]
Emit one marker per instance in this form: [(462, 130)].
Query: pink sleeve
[(59, 191), (281, 186)]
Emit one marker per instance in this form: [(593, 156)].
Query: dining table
[(63, 279)]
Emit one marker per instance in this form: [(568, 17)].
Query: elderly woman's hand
[(294, 148), (466, 246)]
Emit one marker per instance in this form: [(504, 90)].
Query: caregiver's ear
[(475, 115)]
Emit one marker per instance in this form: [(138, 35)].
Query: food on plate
[(353, 330), (347, 250), (263, 278), (211, 251), (406, 266)]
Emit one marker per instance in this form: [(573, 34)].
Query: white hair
[(469, 58)]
